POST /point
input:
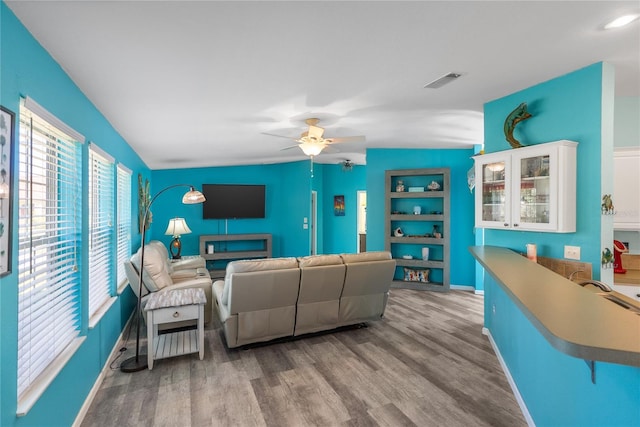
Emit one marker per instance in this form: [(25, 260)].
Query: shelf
[(419, 286), (416, 194), (418, 240), (401, 262), (419, 227), (411, 217), (235, 255), (249, 246)]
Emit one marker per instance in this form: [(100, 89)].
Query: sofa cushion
[(318, 260), (366, 256), (242, 266), (154, 275)]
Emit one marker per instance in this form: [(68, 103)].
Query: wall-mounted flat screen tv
[(233, 201)]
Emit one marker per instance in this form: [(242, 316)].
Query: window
[(124, 222), (49, 248), (101, 213)]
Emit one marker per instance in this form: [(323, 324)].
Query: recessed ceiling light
[(621, 21), (441, 81)]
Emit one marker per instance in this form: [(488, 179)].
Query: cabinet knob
[(176, 314), (506, 224), (515, 225)]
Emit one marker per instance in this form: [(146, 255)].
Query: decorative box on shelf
[(416, 189)]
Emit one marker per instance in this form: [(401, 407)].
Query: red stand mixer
[(618, 249)]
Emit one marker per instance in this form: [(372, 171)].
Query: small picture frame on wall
[(7, 136), (338, 205)]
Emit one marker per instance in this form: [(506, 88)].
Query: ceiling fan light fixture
[(312, 148), (441, 81)]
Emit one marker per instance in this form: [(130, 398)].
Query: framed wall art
[(338, 205), (7, 136)]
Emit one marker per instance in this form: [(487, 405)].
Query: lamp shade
[(177, 227), (192, 196), (312, 148)]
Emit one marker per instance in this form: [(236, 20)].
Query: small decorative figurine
[(436, 232), (607, 205), (398, 232), (400, 186), (515, 117), (607, 258), (433, 186)]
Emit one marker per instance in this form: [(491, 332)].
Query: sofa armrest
[(188, 262), (187, 274), (223, 309)]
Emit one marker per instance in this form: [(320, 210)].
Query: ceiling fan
[(312, 141)]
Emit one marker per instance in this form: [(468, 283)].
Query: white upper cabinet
[(626, 189), (530, 189)]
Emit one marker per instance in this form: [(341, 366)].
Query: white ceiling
[(191, 84)]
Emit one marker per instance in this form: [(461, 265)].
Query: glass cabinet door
[(535, 191), (495, 207)]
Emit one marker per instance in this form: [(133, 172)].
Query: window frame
[(49, 267)]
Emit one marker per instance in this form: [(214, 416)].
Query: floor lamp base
[(134, 364)]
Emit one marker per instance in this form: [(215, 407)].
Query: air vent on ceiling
[(439, 82)]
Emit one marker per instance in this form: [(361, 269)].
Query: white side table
[(170, 307)]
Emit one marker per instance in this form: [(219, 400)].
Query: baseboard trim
[(96, 386), (507, 373), (462, 288), (479, 291)]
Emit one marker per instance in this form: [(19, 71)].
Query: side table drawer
[(175, 314)]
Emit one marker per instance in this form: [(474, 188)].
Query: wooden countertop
[(573, 319), (631, 277)]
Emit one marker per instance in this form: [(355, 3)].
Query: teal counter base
[(555, 388)]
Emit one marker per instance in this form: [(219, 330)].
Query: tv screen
[(233, 201)]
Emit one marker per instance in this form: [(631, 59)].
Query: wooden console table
[(234, 246)]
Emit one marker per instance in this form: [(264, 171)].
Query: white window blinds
[(124, 221), (49, 246), (101, 231)]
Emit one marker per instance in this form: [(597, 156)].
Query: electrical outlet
[(572, 252)]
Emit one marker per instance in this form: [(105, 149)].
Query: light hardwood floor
[(425, 364)]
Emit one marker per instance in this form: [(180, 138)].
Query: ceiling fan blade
[(358, 138), (278, 136), (289, 147)]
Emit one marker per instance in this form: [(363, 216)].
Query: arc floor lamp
[(193, 196)]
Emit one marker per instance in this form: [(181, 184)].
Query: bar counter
[(571, 318)]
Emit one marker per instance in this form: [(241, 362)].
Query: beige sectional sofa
[(260, 300)]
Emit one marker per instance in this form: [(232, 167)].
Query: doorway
[(314, 217), (361, 228)]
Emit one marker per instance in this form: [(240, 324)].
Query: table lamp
[(176, 228)]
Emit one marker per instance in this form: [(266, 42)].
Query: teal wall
[(567, 107), (557, 388), (288, 189), (339, 233), (462, 233), (28, 70), (288, 202)]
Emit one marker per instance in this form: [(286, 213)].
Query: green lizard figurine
[(515, 117)]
